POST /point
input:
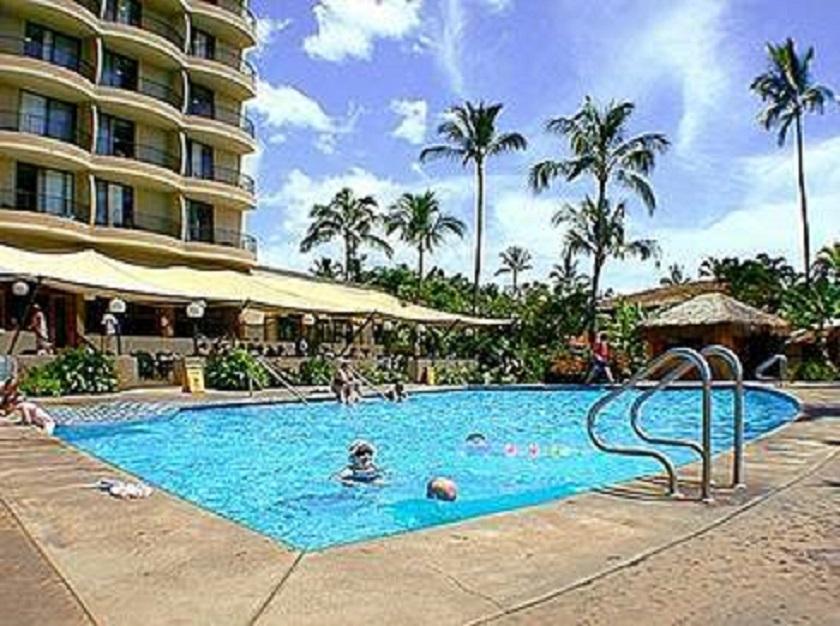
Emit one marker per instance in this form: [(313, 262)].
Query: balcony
[(45, 204), (44, 126), (19, 46), (143, 153), (225, 115), (226, 175), (159, 91), (153, 224), (226, 56), (91, 5), (221, 237), (151, 23)]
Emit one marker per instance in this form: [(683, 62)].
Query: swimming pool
[(270, 467)]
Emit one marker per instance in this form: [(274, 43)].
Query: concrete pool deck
[(71, 555)]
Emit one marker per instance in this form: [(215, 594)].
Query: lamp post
[(195, 312), (117, 307)]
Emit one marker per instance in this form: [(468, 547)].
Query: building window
[(47, 117), (201, 226), (119, 71), (199, 160), (114, 204), (116, 137), (203, 44), (44, 190), (44, 43), (124, 12), (202, 101)]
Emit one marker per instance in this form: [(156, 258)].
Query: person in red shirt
[(600, 360)]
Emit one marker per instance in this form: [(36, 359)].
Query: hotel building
[(122, 130)]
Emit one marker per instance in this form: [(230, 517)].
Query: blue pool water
[(270, 466)]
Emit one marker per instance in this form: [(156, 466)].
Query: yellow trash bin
[(431, 376)]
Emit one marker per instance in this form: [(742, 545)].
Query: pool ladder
[(686, 360)]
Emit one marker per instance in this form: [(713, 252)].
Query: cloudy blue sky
[(350, 90)]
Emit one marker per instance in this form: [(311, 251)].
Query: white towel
[(123, 489)]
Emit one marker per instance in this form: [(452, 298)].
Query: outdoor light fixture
[(117, 306), (195, 310), (387, 326), (421, 328), (469, 332), (20, 288), (308, 320)]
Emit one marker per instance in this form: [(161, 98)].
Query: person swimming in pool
[(477, 444), (360, 465), (397, 393)]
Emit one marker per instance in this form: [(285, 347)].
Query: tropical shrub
[(816, 370), (78, 371), (233, 371), (316, 372), (624, 333), (457, 374), (568, 367), (41, 382)]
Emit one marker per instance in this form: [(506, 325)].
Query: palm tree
[(600, 232), (471, 136), (325, 267), (352, 220), (828, 262), (676, 276), (566, 274), (788, 90), (420, 223), (515, 260), (600, 149)]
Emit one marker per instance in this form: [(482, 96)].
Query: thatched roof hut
[(666, 296), (712, 309), (716, 318)]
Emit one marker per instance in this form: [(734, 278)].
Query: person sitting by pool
[(343, 383), (31, 414), (397, 393), (360, 466), (442, 489), (600, 360)]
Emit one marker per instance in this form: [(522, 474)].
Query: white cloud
[(681, 46), (283, 107), (414, 114), (267, 30), (449, 49), (348, 29)]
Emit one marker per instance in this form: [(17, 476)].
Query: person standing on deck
[(600, 360), (38, 325)]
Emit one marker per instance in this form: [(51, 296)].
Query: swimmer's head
[(442, 489), (476, 439)]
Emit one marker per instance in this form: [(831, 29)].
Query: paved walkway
[(69, 553)]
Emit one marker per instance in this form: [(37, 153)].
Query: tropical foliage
[(77, 371), (418, 220), (352, 220), (235, 370), (788, 91), (600, 149), (676, 276), (515, 260), (471, 137)]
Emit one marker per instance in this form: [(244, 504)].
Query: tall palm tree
[(676, 276), (471, 137), (352, 220), (420, 223), (515, 260), (788, 90), (600, 149), (566, 274)]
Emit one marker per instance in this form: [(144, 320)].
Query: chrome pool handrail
[(281, 379), (761, 370), (675, 354), (736, 373)]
